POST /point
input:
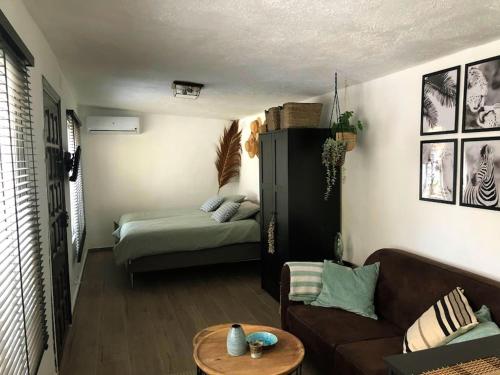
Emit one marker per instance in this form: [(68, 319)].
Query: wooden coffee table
[(210, 353)]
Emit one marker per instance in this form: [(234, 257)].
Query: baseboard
[(77, 289)]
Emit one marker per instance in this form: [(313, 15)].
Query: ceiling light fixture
[(186, 90)]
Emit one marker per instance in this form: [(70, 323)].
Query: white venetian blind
[(23, 326), (76, 189)]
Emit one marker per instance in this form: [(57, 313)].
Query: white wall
[(381, 206), (170, 164), (46, 65)]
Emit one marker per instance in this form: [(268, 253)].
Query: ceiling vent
[(186, 90)]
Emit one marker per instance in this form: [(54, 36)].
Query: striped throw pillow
[(225, 212), (305, 281), (212, 203), (447, 319)]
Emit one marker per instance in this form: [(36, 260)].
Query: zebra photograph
[(438, 170), (439, 111), (481, 109), (481, 173)]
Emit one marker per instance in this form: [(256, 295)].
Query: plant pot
[(349, 137), (341, 161)]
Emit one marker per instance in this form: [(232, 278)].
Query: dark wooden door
[(58, 217), (268, 208)]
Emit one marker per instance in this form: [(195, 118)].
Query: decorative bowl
[(267, 338)]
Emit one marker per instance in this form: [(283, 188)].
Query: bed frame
[(225, 254)]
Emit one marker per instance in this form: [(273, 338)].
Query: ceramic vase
[(338, 249), (236, 341)]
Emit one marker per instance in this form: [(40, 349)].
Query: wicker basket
[(273, 118), (349, 138), (300, 115)]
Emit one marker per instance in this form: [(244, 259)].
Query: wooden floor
[(149, 329)]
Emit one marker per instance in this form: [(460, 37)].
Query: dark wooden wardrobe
[(292, 187)]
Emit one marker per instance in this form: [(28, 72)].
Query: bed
[(177, 238)]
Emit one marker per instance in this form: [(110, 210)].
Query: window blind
[(76, 188), (23, 325)]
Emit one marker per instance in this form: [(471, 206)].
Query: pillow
[(247, 209), (225, 212), (478, 332), (483, 315), (234, 198), (447, 319), (212, 203), (349, 289)]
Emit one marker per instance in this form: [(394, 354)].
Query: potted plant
[(345, 131), (343, 139)]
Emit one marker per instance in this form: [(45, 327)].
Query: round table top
[(210, 353)]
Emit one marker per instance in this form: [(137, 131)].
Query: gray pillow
[(225, 211), (212, 203), (234, 198), (247, 209)]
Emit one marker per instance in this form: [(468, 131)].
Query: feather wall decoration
[(228, 160)]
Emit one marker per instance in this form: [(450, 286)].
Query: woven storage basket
[(300, 115), (349, 138), (273, 118)]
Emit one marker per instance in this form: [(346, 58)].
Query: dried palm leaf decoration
[(229, 155)]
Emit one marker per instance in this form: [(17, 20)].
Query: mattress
[(159, 232)]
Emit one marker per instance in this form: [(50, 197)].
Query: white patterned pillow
[(212, 203), (225, 212), (447, 319)]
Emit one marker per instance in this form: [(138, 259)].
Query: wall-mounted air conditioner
[(113, 125)]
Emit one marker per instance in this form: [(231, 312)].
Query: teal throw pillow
[(483, 315), (349, 289), (478, 332)]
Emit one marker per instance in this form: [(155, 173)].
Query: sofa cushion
[(366, 357), (322, 329)]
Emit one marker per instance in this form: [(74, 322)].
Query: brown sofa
[(345, 343)]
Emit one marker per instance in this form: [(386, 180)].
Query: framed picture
[(439, 110), (438, 172), (481, 109), (480, 173)]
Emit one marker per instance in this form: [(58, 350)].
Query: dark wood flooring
[(149, 329)]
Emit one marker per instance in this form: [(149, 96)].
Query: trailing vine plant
[(333, 155)]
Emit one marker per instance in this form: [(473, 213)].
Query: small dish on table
[(267, 339)]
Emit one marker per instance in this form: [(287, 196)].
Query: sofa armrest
[(284, 300)]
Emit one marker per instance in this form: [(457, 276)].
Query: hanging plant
[(345, 131), (332, 157), (343, 139)]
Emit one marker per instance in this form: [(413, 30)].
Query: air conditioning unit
[(113, 125)]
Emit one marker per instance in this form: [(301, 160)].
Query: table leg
[(199, 371), (298, 370)]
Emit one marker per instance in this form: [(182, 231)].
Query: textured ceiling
[(250, 54)]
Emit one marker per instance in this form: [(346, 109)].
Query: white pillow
[(447, 319)]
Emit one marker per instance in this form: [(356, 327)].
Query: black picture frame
[(454, 142), (462, 163), (457, 101), (464, 102)]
